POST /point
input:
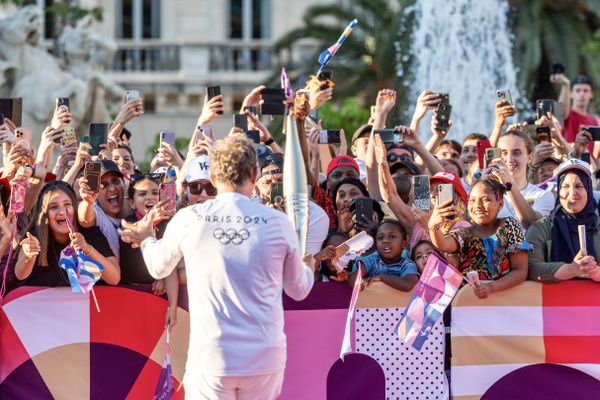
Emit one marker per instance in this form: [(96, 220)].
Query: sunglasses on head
[(196, 188), (395, 157), (153, 176)]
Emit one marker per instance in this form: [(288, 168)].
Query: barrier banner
[(533, 341), (55, 345)]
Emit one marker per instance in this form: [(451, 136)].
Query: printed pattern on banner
[(409, 374), (526, 327)]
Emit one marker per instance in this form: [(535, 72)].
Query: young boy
[(388, 263)]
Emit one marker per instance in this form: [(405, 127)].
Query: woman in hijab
[(557, 254)]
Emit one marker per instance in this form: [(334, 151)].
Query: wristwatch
[(269, 142)]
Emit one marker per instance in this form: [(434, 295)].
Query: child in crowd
[(493, 247), (420, 252), (388, 264), (144, 201)]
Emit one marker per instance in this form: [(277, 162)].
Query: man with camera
[(239, 256)]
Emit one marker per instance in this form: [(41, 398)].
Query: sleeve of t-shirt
[(318, 226), (368, 263), (161, 256), (96, 238), (544, 204), (298, 278)]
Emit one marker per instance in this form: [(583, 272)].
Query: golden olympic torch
[(295, 186)]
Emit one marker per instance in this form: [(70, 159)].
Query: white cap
[(573, 163), (198, 168)]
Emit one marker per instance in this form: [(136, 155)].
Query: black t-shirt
[(53, 275), (133, 267)]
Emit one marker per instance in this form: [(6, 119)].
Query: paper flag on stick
[(286, 84), (165, 388), (328, 54), (347, 342), (356, 246)]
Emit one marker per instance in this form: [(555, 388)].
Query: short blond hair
[(232, 160)]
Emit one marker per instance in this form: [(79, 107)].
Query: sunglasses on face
[(153, 176), (196, 188), (392, 158)]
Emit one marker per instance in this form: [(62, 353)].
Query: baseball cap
[(411, 166), (573, 163), (450, 177), (107, 166), (342, 161), (363, 129), (198, 168), (274, 159)]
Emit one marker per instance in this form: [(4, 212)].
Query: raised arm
[(503, 111)]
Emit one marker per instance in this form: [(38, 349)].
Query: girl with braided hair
[(493, 247)]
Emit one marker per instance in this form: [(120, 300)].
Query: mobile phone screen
[(98, 136)]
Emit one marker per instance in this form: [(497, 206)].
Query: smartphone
[(582, 239), (443, 116), (276, 193), (444, 98), (594, 131), (23, 137), (166, 191), (253, 135), (390, 135), (251, 109), (132, 95), (504, 95), (421, 195), (542, 133), (491, 154), (214, 91), (240, 121), (586, 157), (273, 99), (363, 209), (84, 139), (204, 129), (68, 135), (332, 136), (98, 136), (482, 145), (12, 109), (17, 197), (62, 102), (445, 194), (543, 107), (91, 172), (168, 137), (324, 76), (557, 68)]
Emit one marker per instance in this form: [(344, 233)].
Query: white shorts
[(258, 387)]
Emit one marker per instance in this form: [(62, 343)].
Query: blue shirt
[(375, 265)]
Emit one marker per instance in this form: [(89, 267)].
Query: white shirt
[(239, 255), (108, 226), (540, 200), (318, 227)]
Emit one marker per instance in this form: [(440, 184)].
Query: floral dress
[(489, 256)]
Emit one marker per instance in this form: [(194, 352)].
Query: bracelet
[(269, 142), (89, 252)]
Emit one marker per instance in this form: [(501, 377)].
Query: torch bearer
[(295, 185)]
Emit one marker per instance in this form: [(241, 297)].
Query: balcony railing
[(164, 56)]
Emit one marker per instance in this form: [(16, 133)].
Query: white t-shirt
[(540, 200), (108, 226), (239, 255), (318, 227)]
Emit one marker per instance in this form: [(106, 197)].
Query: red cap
[(342, 161), (451, 177)]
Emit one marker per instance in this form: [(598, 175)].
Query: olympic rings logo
[(231, 236)]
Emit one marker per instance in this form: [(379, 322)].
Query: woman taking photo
[(48, 235), (556, 253)]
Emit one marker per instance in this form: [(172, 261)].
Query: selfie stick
[(328, 54), (295, 184), (582, 241)]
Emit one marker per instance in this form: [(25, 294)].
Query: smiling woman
[(566, 244), (49, 233)]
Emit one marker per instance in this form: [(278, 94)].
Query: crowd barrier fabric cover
[(54, 344), (534, 341)]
